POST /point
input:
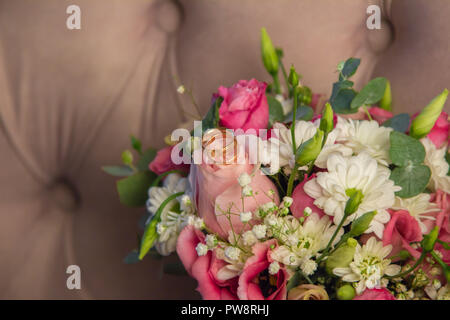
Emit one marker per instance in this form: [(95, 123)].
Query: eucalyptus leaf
[(294, 281), (145, 159), (399, 122), (304, 113), (413, 179), (211, 120), (341, 103), (132, 257), (405, 150), (136, 144), (118, 171), (275, 110), (349, 69), (370, 94), (133, 189)]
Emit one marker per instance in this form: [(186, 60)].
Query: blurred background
[(70, 99)]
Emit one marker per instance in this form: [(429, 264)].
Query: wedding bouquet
[(279, 193)]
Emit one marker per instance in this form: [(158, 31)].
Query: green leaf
[(145, 159), (399, 122), (133, 189), (118, 171), (341, 103), (136, 144), (370, 94), (413, 179), (132, 257), (405, 150), (294, 281), (275, 110), (150, 234), (304, 113), (349, 69), (211, 120)]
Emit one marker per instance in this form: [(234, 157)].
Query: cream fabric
[(70, 98)]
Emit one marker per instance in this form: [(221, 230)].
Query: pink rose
[(400, 231), (255, 282), (204, 268), (301, 200), (244, 105), (218, 195), (375, 294), (439, 133), (163, 162)]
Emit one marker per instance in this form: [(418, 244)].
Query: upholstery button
[(168, 15), (380, 39), (64, 195)]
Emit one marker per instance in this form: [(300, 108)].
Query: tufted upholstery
[(70, 98)]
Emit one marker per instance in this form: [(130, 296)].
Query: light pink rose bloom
[(254, 282), (216, 191), (375, 294), (204, 268), (163, 162), (400, 231), (244, 105), (301, 200)]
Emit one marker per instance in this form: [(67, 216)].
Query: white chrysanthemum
[(368, 266), (172, 220), (361, 172), (418, 207), (305, 130), (435, 160), (365, 136), (301, 242)]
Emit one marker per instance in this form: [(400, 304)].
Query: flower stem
[(419, 261), (327, 248), (276, 83), (291, 180)]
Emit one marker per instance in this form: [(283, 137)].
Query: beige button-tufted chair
[(70, 98)]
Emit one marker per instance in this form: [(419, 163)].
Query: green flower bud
[(342, 257), (386, 101), (361, 224), (430, 239), (346, 292), (293, 77), (268, 52), (354, 201), (304, 95), (326, 122), (424, 122), (127, 157), (308, 151)]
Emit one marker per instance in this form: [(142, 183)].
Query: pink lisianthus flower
[(255, 282), (375, 294), (244, 105), (204, 268), (380, 115), (400, 231), (301, 200), (163, 162)]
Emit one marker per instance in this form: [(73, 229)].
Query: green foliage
[(349, 68), (308, 151), (399, 122), (408, 155), (275, 110), (118, 171), (342, 96), (405, 150), (133, 189), (145, 159), (370, 94), (304, 113), (136, 144), (211, 120)]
